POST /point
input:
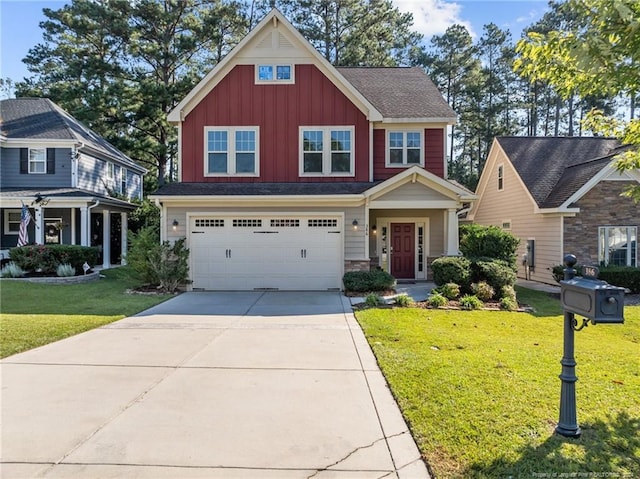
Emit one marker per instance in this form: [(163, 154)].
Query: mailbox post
[(598, 302)]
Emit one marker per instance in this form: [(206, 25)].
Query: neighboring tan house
[(73, 181), (292, 171), (559, 195)]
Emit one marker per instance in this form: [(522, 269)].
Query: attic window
[(500, 178), (274, 73)]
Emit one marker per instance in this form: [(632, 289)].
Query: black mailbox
[(594, 299)]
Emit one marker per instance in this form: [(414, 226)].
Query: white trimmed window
[(618, 245), (110, 174), (37, 160), (274, 73), (327, 151), (404, 148), (123, 181), (500, 177), (232, 151), (12, 221)]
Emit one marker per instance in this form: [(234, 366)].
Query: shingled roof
[(263, 189), (554, 168), (402, 92), (42, 119)]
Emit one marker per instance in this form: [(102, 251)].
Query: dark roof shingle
[(263, 189), (402, 92), (554, 168), (42, 119)]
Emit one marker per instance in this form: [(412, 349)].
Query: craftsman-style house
[(293, 172), (76, 185), (560, 195)]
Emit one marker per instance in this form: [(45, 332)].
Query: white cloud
[(433, 17)]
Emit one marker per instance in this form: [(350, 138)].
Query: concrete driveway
[(208, 385)]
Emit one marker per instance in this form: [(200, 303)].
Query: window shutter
[(24, 161), (51, 161)]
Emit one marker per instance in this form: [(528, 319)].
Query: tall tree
[(600, 54), (121, 66), (354, 32)]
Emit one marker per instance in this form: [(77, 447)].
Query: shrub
[(450, 290), (508, 292), (483, 291), (436, 300), (170, 264), (12, 270), (48, 257), (372, 300), (497, 273), (508, 304), (470, 302), (141, 245), (367, 281), (403, 300), (477, 241), (622, 276), (65, 270), (451, 269)]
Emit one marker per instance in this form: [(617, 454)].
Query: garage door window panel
[(232, 151)]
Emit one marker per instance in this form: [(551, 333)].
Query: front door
[(403, 250)]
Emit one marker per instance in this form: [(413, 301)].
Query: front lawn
[(480, 389), (34, 314)]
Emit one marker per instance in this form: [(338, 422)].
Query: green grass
[(35, 314), (481, 393)]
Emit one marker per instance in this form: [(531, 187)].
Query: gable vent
[(266, 42), (283, 42)]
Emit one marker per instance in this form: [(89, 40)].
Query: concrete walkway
[(208, 385)]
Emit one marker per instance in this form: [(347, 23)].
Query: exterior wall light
[(175, 224), (355, 225), (374, 230)]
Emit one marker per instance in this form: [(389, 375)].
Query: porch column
[(85, 227), (73, 225), (123, 238), (106, 239), (39, 229), (452, 232)]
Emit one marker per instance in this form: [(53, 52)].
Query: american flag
[(25, 218)]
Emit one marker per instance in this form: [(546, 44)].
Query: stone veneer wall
[(602, 206), (356, 265)]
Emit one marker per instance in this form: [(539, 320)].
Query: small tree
[(170, 264), (477, 241)]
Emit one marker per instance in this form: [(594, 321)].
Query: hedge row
[(47, 257), (622, 276), (368, 281)]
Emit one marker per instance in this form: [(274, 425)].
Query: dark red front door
[(403, 252)]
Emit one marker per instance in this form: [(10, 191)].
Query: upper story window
[(110, 174), (37, 160), (500, 177), (123, 181), (268, 73), (327, 151), (618, 245), (404, 148), (232, 151)]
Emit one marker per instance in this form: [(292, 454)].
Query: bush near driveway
[(368, 281), (480, 389)]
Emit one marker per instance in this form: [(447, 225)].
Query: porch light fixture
[(175, 224), (355, 224), (374, 230)]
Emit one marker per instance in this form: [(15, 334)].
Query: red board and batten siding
[(278, 110), (433, 153)]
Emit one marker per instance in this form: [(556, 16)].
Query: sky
[(20, 31)]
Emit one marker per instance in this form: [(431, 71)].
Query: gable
[(413, 192), (273, 39)]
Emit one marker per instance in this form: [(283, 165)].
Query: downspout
[(163, 219)]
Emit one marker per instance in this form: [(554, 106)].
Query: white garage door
[(265, 252)]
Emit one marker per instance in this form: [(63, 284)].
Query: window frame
[(405, 148), (500, 174), (123, 180), (32, 161), (110, 171), (231, 151), (327, 151), (7, 212), (274, 72), (605, 258)]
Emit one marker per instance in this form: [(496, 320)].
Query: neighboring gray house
[(560, 195), (73, 181)]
